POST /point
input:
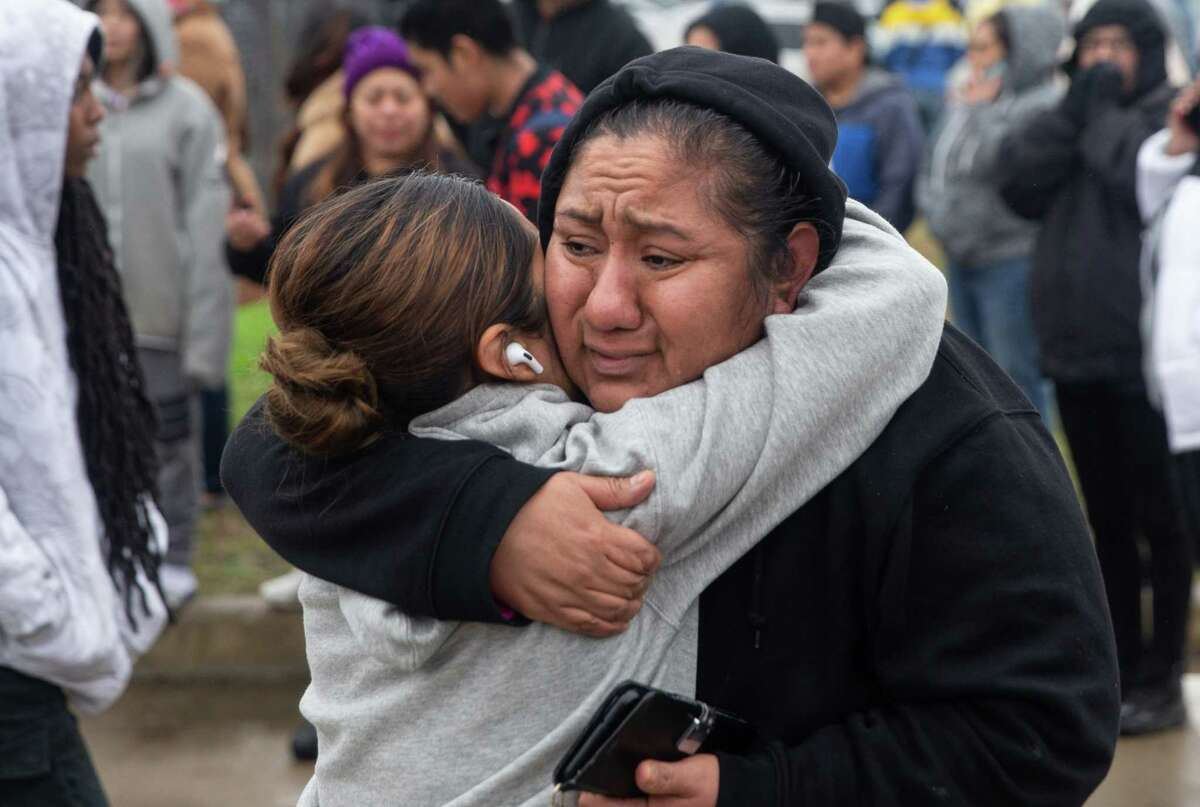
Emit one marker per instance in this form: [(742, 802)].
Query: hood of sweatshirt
[(158, 24), (740, 30), (42, 45), (1034, 33)]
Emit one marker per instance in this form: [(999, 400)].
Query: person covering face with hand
[(1073, 169)]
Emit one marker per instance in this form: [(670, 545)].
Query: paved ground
[(192, 746), (172, 746)]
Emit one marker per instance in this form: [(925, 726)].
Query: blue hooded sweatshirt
[(880, 147)]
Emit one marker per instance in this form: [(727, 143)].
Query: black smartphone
[(636, 723)]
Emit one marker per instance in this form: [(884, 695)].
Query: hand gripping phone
[(636, 723)]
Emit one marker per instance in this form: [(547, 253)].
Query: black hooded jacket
[(587, 43), (740, 30), (929, 629), (1078, 177)]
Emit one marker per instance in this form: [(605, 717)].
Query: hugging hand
[(693, 782), (245, 229), (563, 563)]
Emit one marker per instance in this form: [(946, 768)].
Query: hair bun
[(323, 400)]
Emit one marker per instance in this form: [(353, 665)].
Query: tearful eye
[(661, 262), (579, 250)]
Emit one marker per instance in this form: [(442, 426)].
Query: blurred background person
[(1169, 198), (388, 126), (472, 66), (1013, 57), (1072, 168), (314, 87), (1180, 18), (734, 29), (880, 140), (160, 180), (209, 56), (586, 40), (920, 41), (80, 538)]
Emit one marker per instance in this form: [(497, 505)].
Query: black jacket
[(1077, 174), (587, 43), (1081, 184), (931, 628)]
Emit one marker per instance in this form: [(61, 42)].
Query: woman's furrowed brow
[(592, 217), (639, 221), (649, 224)]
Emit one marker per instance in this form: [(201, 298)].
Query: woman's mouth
[(616, 364)]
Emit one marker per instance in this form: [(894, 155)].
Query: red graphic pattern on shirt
[(534, 128)]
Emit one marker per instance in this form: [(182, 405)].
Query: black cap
[(841, 17), (1145, 28), (779, 108), (740, 30)]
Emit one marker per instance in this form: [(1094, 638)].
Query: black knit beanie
[(841, 17), (788, 117), (739, 30), (1146, 30)]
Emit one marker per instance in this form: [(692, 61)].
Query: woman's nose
[(613, 303)]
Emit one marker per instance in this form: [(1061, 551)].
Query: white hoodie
[(1169, 198), (61, 618)]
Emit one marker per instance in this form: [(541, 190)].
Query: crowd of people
[(515, 260)]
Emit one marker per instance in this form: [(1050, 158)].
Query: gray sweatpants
[(176, 444)]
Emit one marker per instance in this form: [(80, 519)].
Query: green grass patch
[(230, 557), (251, 328)]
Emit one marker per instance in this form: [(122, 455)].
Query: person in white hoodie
[(80, 537), (160, 179), (1168, 186)]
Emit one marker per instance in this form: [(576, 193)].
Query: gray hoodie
[(958, 190), (159, 177), (411, 710)]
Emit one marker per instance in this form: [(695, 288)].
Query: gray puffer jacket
[(159, 176), (958, 189)]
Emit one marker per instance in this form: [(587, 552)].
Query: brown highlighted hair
[(381, 295)]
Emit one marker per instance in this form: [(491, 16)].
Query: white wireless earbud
[(517, 354)]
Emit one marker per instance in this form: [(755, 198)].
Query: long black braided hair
[(116, 420)]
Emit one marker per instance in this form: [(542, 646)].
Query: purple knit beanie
[(371, 48)]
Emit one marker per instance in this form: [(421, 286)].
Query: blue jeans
[(990, 304)]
